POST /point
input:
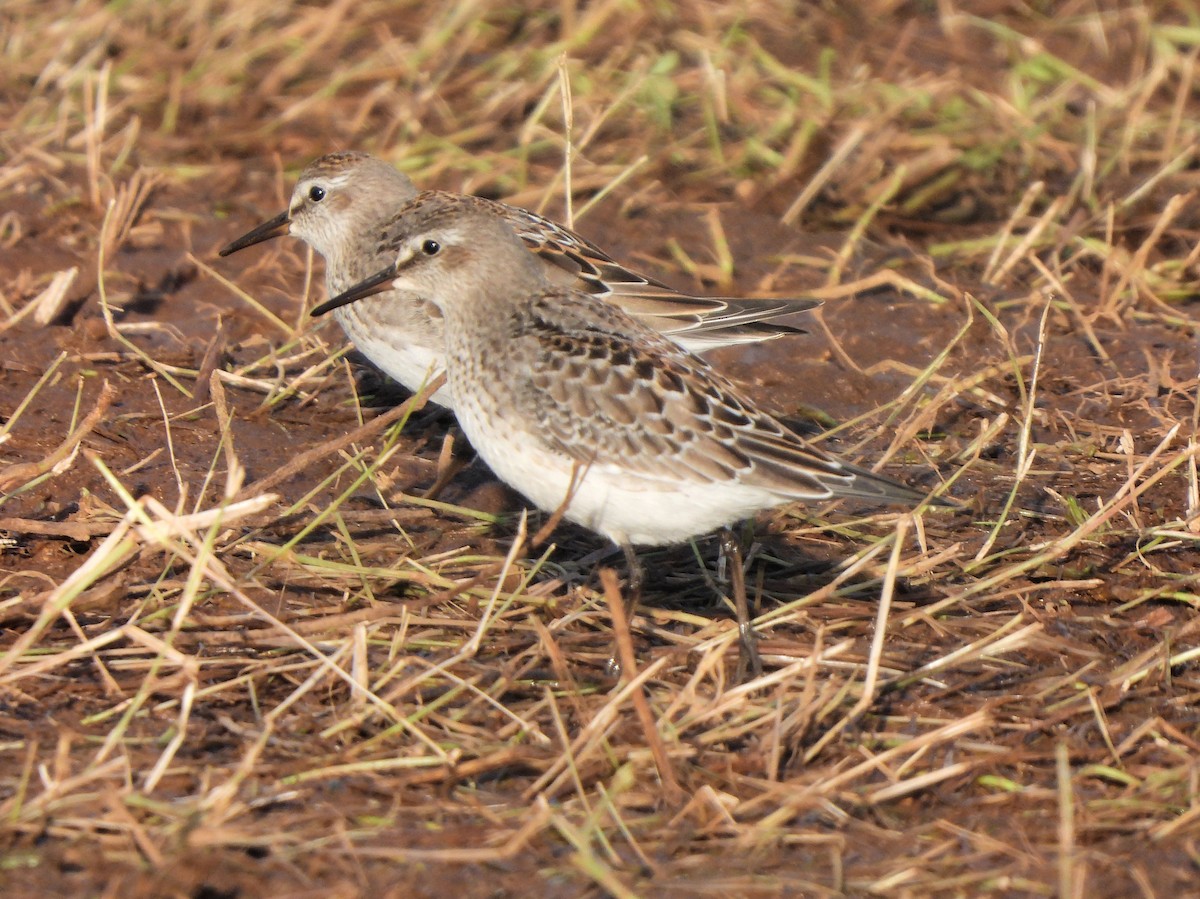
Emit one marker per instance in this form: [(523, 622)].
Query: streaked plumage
[(551, 384), (345, 206)]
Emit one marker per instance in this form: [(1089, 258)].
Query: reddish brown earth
[(1082, 770)]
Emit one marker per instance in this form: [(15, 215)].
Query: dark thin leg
[(637, 577), (749, 657), (633, 595)]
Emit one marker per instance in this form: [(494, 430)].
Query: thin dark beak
[(377, 283), (276, 227)]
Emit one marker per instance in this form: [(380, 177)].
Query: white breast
[(623, 507)]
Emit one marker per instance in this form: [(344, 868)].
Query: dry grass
[(241, 656)]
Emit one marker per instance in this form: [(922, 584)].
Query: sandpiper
[(585, 409), (345, 206)]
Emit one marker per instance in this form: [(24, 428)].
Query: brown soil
[(1033, 727)]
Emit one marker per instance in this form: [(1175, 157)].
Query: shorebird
[(588, 411)]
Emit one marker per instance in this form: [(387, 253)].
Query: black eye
[(431, 248), (316, 194)]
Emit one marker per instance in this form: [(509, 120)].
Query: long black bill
[(377, 283), (276, 227)]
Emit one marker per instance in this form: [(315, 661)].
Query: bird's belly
[(621, 505)]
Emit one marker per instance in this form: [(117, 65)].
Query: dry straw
[(241, 652)]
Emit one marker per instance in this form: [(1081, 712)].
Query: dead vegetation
[(242, 656)]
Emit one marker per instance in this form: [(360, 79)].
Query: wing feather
[(574, 261), (606, 392)]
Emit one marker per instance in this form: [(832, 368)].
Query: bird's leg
[(637, 577), (633, 595), (749, 658)]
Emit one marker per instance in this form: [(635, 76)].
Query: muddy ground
[(282, 698)]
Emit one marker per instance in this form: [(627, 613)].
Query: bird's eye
[(316, 194), (431, 248)]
